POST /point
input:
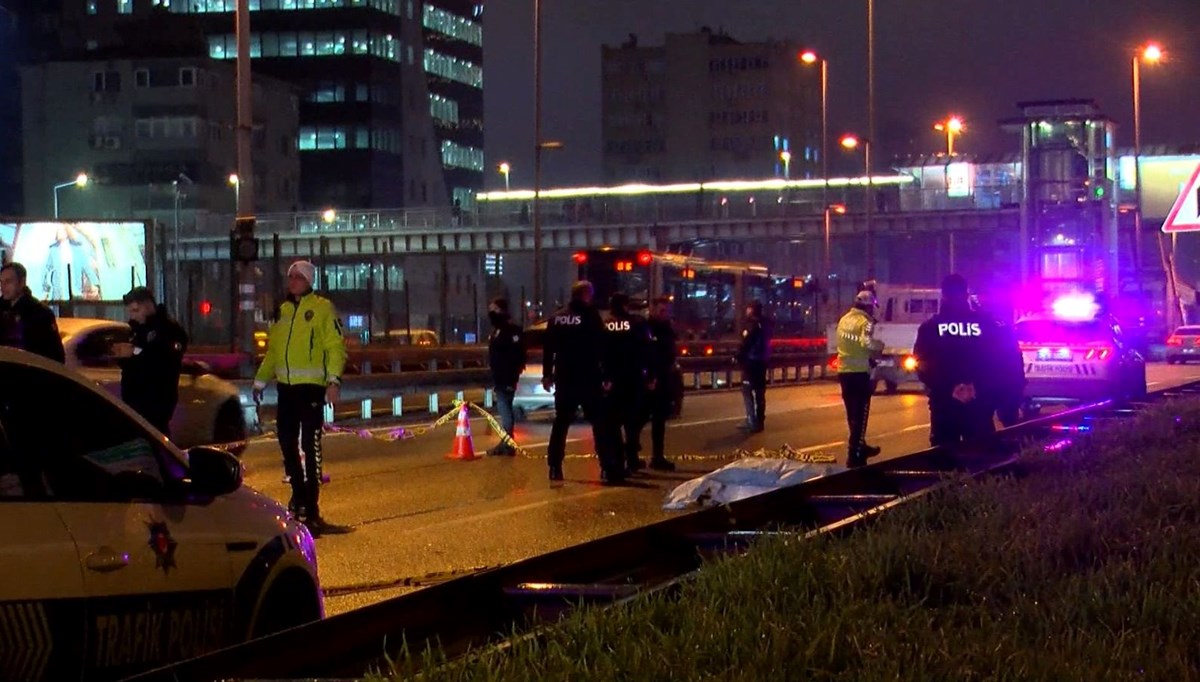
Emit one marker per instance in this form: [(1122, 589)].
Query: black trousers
[(626, 410), (569, 399), (298, 421), (856, 396), (754, 393), (158, 413), (951, 421), (658, 403)]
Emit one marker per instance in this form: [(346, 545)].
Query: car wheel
[(230, 426), (291, 601)]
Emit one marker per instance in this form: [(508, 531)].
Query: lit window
[(124, 6)]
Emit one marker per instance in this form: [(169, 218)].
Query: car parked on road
[(120, 552), (1184, 345)]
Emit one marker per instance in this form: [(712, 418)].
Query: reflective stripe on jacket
[(855, 342), (305, 346)]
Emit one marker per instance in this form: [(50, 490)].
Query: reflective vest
[(855, 343), (305, 346)]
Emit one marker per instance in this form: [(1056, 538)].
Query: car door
[(41, 594), (154, 561)]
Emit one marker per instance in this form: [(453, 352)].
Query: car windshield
[(1061, 331)]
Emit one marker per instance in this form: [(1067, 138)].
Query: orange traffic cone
[(463, 448)]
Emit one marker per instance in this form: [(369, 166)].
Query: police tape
[(401, 433)]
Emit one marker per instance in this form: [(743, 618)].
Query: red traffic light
[(205, 307), (580, 257), (644, 257)]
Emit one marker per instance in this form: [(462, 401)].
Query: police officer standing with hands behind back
[(752, 356), (662, 366), (627, 359), (957, 351), (573, 365)]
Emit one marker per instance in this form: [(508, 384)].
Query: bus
[(708, 298)]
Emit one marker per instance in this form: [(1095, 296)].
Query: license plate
[(1048, 368), (887, 363)]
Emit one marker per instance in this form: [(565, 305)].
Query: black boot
[(661, 464), (556, 472)]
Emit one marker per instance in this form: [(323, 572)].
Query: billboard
[(92, 260)]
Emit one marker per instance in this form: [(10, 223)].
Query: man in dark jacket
[(26, 322), (957, 360), (662, 376), (151, 362), (627, 359), (506, 357), (753, 356), (573, 365)]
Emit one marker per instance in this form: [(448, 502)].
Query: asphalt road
[(420, 518)]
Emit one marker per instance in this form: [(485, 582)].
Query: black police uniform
[(506, 357), (955, 347), (150, 378), (627, 361), (572, 358), (753, 356), (662, 365), (30, 325)]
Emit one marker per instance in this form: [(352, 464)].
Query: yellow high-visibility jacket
[(305, 346), (856, 343)]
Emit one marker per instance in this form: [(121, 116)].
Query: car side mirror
[(214, 471)]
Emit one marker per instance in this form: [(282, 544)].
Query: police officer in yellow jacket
[(856, 350), (305, 354)]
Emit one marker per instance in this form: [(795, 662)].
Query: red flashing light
[(580, 257), (644, 258), (708, 350), (205, 307)]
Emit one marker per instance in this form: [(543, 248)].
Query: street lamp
[(786, 157), (80, 181), (852, 142), (329, 215), (236, 184), (810, 57), (1151, 54), (951, 126), (830, 209), (505, 169)]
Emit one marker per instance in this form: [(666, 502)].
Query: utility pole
[(245, 171)]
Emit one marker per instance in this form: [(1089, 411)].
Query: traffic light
[(245, 246), (206, 308)]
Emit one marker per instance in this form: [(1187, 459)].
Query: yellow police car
[(1071, 360), (121, 553)]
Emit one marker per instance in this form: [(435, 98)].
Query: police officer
[(752, 356), (26, 322), (856, 349), (956, 353), (627, 359), (663, 352), (506, 357), (1009, 370), (573, 365), (150, 363), (306, 355)]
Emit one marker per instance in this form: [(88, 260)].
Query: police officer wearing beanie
[(306, 355), (857, 348), (956, 351), (627, 358), (662, 375), (152, 361), (506, 358), (752, 355), (573, 366)]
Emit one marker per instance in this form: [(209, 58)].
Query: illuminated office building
[(391, 91)]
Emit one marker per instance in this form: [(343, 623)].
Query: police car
[(1072, 359), (118, 551)]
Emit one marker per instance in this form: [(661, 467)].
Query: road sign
[(1185, 214)]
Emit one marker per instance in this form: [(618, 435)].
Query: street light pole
[(786, 157), (80, 181), (810, 57), (245, 171), (870, 137), (537, 155)]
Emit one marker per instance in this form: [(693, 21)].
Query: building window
[(106, 81), (455, 155), (322, 138), (187, 77), (141, 78), (91, 7), (452, 25), (325, 93), (124, 6), (444, 110), (453, 68)]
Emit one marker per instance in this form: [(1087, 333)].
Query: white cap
[(305, 269), (865, 297)]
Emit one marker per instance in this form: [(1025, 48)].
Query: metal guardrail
[(476, 609)]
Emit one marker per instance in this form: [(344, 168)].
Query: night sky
[(975, 58)]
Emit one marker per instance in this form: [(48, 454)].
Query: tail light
[(580, 257), (1176, 341), (683, 351), (1102, 353), (833, 363), (910, 364), (708, 350), (644, 258), (1196, 342)]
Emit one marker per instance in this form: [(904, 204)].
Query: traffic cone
[(463, 448)]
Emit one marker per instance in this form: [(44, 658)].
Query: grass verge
[(1086, 569)]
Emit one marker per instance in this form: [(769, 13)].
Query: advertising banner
[(88, 260)]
